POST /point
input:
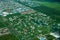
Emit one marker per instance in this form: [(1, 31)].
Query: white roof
[(58, 24), (55, 35), (5, 13)]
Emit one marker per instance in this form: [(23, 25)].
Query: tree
[(28, 26)]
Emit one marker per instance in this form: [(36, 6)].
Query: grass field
[(54, 5), (52, 9), (8, 37)]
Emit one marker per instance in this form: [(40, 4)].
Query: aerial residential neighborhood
[(29, 20)]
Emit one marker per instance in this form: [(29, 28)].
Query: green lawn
[(52, 9), (54, 5), (8, 37)]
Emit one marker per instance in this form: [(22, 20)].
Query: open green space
[(8, 37), (54, 5), (52, 9)]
